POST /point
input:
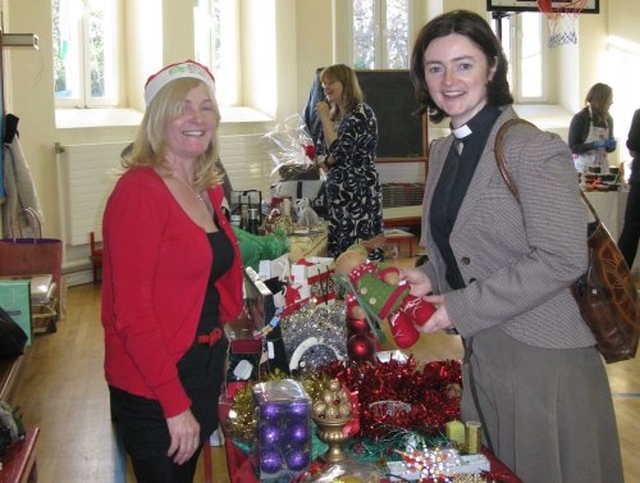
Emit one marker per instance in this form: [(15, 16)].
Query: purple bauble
[(270, 436), (269, 411), (299, 433), (300, 409), (270, 462), (298, 460)]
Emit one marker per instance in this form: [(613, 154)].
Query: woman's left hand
[(440, 319), (184, 430)]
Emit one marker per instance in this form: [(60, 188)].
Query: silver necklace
[(188, 185)]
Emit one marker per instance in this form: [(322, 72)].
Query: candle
[(473, 433), (455, 431)]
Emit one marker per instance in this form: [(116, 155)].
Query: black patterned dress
[(354, 197)]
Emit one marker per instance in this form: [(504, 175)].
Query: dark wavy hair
[(478, 31), (351, 91), (599, 97)]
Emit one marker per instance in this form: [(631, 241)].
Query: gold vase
[(330, 431)]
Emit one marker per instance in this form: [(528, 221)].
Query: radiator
[(86, 177)]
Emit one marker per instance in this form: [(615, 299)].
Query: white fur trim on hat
[(188, 68)]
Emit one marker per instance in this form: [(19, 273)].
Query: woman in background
[(591, 130), (628, 242), (172, 277), (500, 270), (347, 150)]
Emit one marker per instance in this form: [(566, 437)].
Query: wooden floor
[(62, 390)]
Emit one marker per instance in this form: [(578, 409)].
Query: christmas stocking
[(403, 330), (418, 310)]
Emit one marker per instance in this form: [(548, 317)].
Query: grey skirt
[(548, 413)]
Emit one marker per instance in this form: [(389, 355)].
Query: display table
[(241, 471), (402, 216), (313, 244)]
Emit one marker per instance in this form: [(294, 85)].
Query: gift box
[(311, 267), (311, 278), (261, 306), (283, 431), (277, 268)]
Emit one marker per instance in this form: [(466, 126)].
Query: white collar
[(461, 132)]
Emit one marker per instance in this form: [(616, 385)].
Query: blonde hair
[(351, 91), (149, 146)]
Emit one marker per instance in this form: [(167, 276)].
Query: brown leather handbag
[(605, 293)]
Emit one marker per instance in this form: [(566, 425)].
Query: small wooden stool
[(95, 255), (395, 235)]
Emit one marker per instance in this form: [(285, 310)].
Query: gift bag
[(31, 256)]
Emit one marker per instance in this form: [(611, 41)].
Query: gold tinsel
[(241, 422)]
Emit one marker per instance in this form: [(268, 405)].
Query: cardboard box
[(311, 267)]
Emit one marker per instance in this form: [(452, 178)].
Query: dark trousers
[(143, 429), (628, 242)]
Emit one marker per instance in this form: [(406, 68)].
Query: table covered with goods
[(342, 410), (310, 395)]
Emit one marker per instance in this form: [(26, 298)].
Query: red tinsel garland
[(401, 394)]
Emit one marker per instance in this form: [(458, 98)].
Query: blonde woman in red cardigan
[(172, 277)]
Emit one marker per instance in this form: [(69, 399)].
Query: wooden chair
[(96, 257)]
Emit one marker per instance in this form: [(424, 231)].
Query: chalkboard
[(401, 134), (390, 94)]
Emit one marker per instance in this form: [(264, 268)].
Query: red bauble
[(354, 311), (357, 326), (360, 347)]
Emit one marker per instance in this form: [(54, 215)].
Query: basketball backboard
[(591, 6)]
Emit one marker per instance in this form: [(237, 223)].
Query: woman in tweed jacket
[(500, 270)]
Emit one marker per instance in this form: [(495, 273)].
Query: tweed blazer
[(518, 259)]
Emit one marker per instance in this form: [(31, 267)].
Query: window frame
[(228, 74), (515, 57), (381, 60), (80, 35)]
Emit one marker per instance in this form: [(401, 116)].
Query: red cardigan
[(156, 265)]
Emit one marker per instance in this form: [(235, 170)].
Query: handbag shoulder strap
[(499, 153), (504, 172)]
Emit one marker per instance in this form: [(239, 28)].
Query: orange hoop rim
[(574, 7)]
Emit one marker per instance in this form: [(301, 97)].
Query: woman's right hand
[(418, 280), (322, 108), (184, 430)]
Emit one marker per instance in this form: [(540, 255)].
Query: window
[(216, 45), (84, 53), (523, 41), (380, 34)]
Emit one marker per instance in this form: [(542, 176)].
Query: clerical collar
[(461, 132), (480, 123)]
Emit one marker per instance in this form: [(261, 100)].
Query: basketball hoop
[(562, 20)]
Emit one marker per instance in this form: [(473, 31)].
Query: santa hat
[(188, 68)]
